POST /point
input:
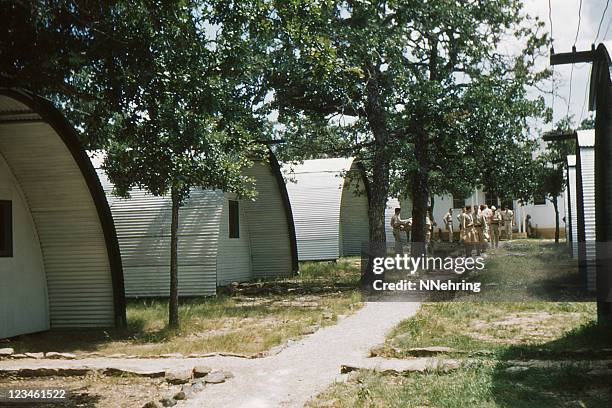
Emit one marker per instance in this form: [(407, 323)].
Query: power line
[(552, 51), (569, 99), (602, 18), (550, 21), (579, 18), (586, 97)]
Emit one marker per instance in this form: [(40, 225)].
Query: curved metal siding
[(269, 231), (143, 228), (315, 191), (77, 268), (354, 225), (571, 174), (587, 158)]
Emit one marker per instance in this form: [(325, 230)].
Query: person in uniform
[(448, 224), (496, 220), (529, 227), (467, 230), (429, 226), (459, 218), (487, 224), (507, 221), (478, 229), (398, 225)]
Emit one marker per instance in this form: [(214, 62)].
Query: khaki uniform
[(427, 230), (448, 222), (467, 228), (478, 227), (496, 220), (507, 217), (487, 213), (397, 224)]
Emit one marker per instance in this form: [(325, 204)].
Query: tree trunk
[(379, 187), (173, 306), (420, 194), (556, 207)]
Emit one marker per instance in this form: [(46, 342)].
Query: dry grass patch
[(279, 310)]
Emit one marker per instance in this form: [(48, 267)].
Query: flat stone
[(228, 374), (62, 356), (19, 356), (6, 352), (36, 372), (516, 369), (178, 376), (171, 355), (35, 355), (400, 366), (113, 371), (215, 377), (117, 355), (429, 351), (200, 371)]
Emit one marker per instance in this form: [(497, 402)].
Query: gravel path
[(308, 366), (287, 379)]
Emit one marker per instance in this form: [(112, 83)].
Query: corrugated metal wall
[(207, 256), (24, 306), (143, 229), (268, 225), (234, 257), (74, 250), (315, 190), (586, 143), (571, 174), (353, 215), (315, 200)]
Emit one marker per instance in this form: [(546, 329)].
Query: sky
[(565, 15)]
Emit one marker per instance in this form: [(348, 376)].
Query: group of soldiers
[(478, 226)]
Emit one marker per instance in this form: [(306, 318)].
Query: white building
[(542, 212), (59, 258), (329, 199), (220, 240)]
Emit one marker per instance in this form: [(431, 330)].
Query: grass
[(489, 337), (279, 310)]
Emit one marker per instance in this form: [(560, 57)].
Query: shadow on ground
[(572, 371)]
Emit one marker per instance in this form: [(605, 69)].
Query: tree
[(551, 165), (160, 85), (390, 80)]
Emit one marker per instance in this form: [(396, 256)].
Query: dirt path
[(287, 379), (307, 367)]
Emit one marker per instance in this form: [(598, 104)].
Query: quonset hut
[(221, 239), (329, 198), (59, 258)]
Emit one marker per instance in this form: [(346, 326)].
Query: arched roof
[(66, 198), (315, 190)]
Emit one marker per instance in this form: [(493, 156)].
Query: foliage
[(419, 88)]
